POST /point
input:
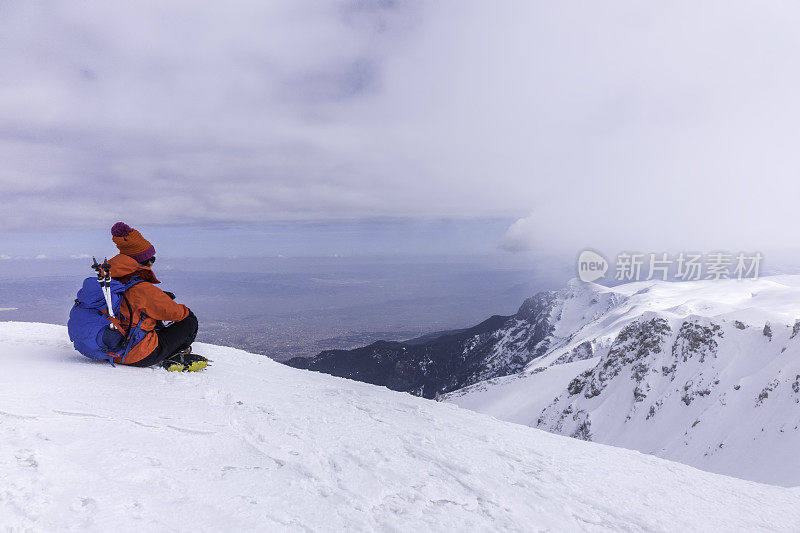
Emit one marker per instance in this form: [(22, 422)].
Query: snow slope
[(520, 398), (706, 373), (252, 444)]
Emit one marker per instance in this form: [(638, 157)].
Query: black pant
[(171, 340)]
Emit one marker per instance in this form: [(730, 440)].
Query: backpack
[(89, 324)]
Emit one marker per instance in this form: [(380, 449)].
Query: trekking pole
[(104, 278), (107, 279), (96, 268)]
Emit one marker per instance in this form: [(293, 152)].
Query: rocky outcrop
[(644, 358)]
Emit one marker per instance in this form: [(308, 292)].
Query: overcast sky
[(614, 125)]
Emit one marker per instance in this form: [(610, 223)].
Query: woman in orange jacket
[(148, 306)]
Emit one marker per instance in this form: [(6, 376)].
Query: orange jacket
[(144, 298)]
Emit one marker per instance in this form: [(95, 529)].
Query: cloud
[(186, 111), (523, 235), (621, 125)]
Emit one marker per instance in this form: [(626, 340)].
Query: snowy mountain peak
[(699, 372)]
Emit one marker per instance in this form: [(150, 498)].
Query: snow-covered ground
[(706, 373), (254, 445)]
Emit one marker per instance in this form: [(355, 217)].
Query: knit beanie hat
[(131, 243)]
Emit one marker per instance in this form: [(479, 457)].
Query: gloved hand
[(170, 294)]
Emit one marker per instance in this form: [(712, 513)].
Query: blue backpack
[(89, 324)]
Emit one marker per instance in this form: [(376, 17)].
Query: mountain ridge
[(704, 373), (425, 366)]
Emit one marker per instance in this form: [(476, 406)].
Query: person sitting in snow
[(169, 346)]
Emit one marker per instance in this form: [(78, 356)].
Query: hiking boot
[(173, 364), (185, 361), (194, 363)]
